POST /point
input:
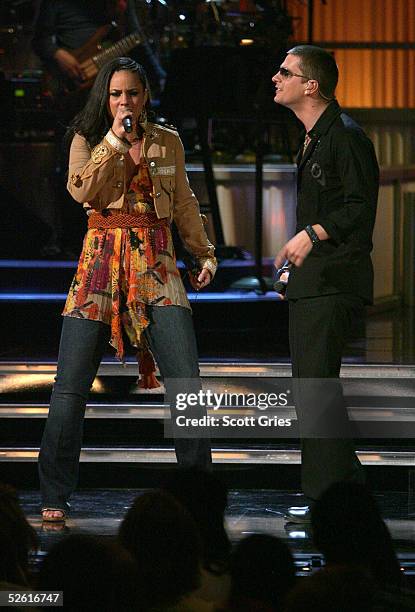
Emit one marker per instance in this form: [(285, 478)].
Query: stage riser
[(124, 436), (240, 453), (150, 431), (56, 276), (24, 476), (222, 329)]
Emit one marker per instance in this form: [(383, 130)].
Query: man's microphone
[(128, 124), (280, 286)]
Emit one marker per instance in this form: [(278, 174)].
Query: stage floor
[(100, 512)]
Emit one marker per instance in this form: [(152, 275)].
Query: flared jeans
[(171, 338)]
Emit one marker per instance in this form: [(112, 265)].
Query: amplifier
[(29, 112)]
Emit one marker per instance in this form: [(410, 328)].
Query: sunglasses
[(286, 74)]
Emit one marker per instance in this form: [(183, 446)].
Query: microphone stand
[(257, 282), (259, 193)]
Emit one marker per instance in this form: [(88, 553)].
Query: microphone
[(280, 286), (127, 124)]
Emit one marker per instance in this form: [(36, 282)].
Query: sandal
[(53, 519)]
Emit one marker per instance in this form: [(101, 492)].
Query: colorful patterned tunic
[(121, 271)]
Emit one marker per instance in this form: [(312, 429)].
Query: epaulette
[(167, 126)]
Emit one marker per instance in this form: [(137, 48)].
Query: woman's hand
[(198, 282), (117, 125)]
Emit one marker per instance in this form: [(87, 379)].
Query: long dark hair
[(93, 121)]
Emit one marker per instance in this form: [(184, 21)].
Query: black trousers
[(319, 328)]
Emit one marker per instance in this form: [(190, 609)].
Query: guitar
[(91, 57)]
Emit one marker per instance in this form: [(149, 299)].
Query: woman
[(132, 185)]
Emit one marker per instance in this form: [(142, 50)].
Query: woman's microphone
[(128, 124)]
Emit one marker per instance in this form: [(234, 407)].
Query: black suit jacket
[(337, 187)]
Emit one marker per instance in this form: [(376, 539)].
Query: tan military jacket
[(98, 179)]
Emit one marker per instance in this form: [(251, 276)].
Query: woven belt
[(124, 220)]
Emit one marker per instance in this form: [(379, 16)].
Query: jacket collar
[(325, 120), (320, 128)]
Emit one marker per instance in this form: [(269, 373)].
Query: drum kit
[(219, 23)]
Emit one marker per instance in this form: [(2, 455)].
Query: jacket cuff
[(331, 229), (208, 263), (116, 143)]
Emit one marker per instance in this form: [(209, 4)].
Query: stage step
[(125, 426), (158, 411), (220, 368), (235, 455)]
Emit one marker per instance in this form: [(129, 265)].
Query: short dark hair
[(319, 65)]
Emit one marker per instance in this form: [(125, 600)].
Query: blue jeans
[(171, 338)]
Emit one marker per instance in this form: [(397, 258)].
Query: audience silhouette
[(17, 539), (206, 497), (334, 589), (348, 529), (94, 574), (163, 538), (262, 573), (173, 555)]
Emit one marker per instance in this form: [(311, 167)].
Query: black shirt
[(337, 187), (69, 24)]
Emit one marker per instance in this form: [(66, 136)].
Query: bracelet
[(312, 234)]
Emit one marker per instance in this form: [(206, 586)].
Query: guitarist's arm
[(45, 45)]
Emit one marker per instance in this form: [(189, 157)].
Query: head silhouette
[(348, 529)]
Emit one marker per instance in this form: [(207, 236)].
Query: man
[(65, 25), (331, 275)]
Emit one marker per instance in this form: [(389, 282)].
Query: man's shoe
[(299, 514)]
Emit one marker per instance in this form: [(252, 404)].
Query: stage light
[(246, 41), (182, 17)]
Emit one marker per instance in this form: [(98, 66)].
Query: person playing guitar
[(69, 37)]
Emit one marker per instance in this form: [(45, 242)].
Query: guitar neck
[(118, 49)]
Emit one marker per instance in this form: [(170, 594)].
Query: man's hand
[(200, 281), (284, 279), (295, 250), (69, 65)]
